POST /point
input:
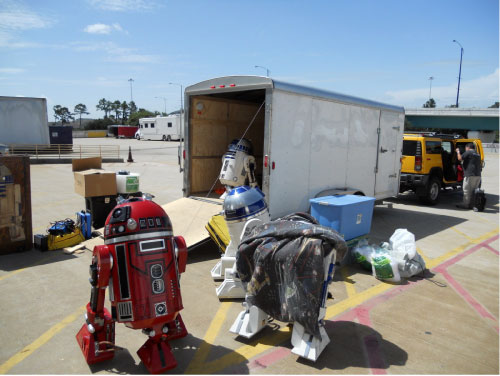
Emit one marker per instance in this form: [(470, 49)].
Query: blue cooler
[(350, 215)]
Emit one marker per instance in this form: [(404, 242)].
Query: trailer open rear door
[(189, 215)]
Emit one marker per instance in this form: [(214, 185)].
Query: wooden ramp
[(189, 215)]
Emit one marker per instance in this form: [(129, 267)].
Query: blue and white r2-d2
[(244, 208), (238, 165)]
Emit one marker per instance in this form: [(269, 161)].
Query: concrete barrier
[(97, 133)]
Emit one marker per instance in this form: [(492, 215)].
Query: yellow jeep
[(429, 163)]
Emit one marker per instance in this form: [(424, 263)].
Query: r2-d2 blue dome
[(244, 209), (243, 203)]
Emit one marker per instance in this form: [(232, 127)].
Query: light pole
[(267, 70), (131, 80), (173, 83), (460, 70), (165, 101), (430, 87)]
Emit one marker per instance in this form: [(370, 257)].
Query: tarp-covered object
[(281, 264)]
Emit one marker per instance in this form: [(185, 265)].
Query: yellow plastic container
[(67, 240), (217, 229)]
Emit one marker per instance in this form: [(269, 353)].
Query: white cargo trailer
[(307, 143), (23, 120), (164, 128)]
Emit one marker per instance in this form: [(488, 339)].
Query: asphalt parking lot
[(445, 322)]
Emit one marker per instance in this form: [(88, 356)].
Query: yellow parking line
[(448, 255), (201, 354), (462, 233), (349, 286), (421, 253), (247, 352), (44, 338)]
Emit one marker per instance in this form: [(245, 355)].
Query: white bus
[(166, 128)]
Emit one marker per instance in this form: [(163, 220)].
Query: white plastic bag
[(412, 267), (403, 246)]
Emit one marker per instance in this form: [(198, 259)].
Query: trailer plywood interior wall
[(214, 122)]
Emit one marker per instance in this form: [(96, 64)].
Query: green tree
[(57, 111), (116, 108), (132, 106), (63, 114), (494, 105), (124, 108), (141, 113), (105, 106), (81, 109), (431, 103)]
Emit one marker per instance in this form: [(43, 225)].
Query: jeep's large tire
[(431, 196)]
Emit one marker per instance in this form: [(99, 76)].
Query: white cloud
[(98, 29), (11, 70), (16, 16), (478, 92), (115, 53), (103, 28), (122, 5)]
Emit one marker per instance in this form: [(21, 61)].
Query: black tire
[(164, 138), (432, 191), (168, 138), (137, 137)]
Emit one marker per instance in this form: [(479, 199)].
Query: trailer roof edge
[(214, 85)]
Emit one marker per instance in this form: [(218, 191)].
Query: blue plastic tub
[(350, 215)]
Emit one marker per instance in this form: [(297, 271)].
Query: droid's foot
[(216, 272), (249, 322), (157, 356), (306, 345), (94, 352), (231, 288)]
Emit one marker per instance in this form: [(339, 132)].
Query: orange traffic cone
[(130, 155)]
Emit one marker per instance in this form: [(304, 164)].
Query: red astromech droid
[(140, 262)]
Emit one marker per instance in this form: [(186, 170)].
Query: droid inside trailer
[(306, 142)]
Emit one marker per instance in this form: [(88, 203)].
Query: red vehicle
[(125, 131), (141, 262)]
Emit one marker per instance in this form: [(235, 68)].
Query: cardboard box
[(90, 180)]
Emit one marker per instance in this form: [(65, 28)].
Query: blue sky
[(79, 51)]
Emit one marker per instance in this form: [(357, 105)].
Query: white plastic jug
[(127, 182)]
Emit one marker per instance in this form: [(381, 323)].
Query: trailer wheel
[(164, 138), (168, 138)]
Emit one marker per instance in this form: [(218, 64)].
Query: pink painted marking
[(468, 298), (462, 255), (371, 343), (270, 358), (492, 250)]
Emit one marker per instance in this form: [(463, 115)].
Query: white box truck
[(307, 142), (166, 128)]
